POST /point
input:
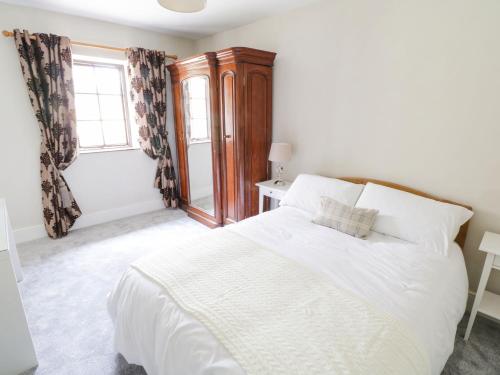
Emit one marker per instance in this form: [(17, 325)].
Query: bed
[(424, 290)]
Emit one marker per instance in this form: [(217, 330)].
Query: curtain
[(146, 73), (46, 65)]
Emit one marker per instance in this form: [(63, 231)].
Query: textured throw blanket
[(275, 316)]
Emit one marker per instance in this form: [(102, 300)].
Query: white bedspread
[(424, 290)]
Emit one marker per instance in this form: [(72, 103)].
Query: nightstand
[(486, 302), (271, 190)]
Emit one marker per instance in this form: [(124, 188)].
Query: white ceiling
[(219, 15)]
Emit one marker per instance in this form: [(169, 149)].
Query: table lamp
[(280, 153)]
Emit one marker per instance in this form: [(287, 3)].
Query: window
[(101, 106), (196, 110)]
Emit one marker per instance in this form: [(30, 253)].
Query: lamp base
[(278, 180)]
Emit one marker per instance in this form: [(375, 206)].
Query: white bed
[(425, 290)]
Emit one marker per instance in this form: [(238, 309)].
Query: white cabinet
[(17, 353), (7, 235)]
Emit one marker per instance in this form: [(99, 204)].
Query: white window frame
[(120, 66)]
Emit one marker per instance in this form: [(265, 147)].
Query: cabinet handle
[(227, 136)]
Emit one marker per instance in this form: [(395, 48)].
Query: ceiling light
[(184, 6)]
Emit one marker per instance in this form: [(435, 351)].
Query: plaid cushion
[(354, 221)]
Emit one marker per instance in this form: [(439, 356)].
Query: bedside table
[(486, 302), (271, 190)]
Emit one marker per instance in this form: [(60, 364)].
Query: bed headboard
[(462, 234)]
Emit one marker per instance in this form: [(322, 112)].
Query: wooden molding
[(245, 55), (191, 64)]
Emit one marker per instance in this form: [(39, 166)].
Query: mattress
[(424, 290)]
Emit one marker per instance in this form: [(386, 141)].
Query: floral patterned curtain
[(146, 72), (46, 65)]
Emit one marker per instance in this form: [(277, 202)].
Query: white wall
[(106, 185), (406, 91)]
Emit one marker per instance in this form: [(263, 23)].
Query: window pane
[(87, 107), (199, 129), (100, 105), (108, 80), (114, 133), (84, 79), (198, 108), (197, 87), (90, 134), (111, 107)]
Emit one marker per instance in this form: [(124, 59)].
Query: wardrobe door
[(196, 107), (228, 117), (197, 127), (258, 128)]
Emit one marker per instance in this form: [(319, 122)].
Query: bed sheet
[(425, 290)]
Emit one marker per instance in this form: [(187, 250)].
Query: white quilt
[(277, 317), (425, 291)]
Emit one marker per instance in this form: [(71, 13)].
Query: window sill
[(200, 142), (109, 149)]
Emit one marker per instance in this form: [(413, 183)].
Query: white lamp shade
[(184, 6), (280, 152)]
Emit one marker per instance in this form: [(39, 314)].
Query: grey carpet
[(481, 354), (67, 280)]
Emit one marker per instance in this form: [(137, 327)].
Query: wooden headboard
[(462, 234)]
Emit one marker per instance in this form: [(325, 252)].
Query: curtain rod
[(82, 44)]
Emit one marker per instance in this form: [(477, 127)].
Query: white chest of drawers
[(17, 353)]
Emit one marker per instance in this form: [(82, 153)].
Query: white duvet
[(425, 290)]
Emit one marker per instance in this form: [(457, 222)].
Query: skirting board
[(86, 220)]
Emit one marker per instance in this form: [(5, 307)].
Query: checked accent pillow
[(353, 221)]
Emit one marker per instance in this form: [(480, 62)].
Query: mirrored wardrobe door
[(197, 127)]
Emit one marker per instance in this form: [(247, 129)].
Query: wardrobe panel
[(258, 131), (229, 147)]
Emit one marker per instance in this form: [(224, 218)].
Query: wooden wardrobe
[(223, 125)]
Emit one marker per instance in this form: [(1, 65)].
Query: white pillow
[(307, 190), (414, 218)]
